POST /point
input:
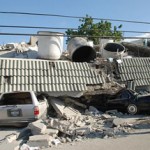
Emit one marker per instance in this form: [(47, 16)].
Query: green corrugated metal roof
[(46, 75), (136, 69)]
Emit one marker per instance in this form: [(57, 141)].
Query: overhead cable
[(59, 28), (73, 17), (64, 35)]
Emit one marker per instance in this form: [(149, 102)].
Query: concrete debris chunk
[(64, 111), (56, 141), (5, 145), (27, 147), (82, 131), (94, 110), (76, 103), (112, 112), (51, 131), (63, 140), (40, 141), (37, 127), (106, 116), (63, 126), (109, 132), (11, 138), (124, 121)]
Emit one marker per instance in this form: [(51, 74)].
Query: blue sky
[(136, 10)]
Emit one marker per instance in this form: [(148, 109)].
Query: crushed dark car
[(130, 101), (125, 100)]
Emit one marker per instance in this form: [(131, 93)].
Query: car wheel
[(132, 109)]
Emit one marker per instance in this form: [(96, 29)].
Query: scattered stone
[(112, 112), (106, 116), (94, 110), (63, 126), (80, 124), (27, 147), (56, 142), (63, 140), (82, 131), (68, 139), (109, 132), (51, 131), (124, 121), (70, 113), (40, 141), (11, 138)]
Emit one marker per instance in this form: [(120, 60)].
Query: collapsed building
[(68, 79)]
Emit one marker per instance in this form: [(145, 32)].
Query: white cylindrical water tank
[(113, 50), (50, 45)]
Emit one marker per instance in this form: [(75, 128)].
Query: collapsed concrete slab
[(64, 111)]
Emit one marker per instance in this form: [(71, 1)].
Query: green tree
[(94, 30)]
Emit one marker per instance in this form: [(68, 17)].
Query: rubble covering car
[(128, 101), (19, 108)]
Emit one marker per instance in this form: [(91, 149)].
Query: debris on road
[(83, 123)]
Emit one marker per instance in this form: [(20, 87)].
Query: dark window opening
[(7, 79), (16, 98), (40, 98)]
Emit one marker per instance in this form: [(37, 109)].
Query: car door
[(120, 101), (16, 107), (143, 102)]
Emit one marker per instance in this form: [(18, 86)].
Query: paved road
[(133, 142)]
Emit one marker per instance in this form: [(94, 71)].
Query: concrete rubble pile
[(72, 125)]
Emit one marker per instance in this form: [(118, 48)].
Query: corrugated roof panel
[(37, 74), (75, 66), (89, 80), (60, 87), (2, 72)]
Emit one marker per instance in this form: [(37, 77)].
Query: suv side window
[(16, 98)]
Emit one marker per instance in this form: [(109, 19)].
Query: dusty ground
[(136, 141)]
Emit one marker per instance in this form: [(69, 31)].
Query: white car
[(17, 108)]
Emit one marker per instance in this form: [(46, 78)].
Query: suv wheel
[(132, 109)]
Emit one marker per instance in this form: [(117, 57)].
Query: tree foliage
[(93, 30)]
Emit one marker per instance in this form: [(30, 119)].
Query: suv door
[(16, 107)]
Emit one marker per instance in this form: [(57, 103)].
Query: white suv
[(17, 108)]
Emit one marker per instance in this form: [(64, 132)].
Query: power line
[(59, 28), (36, 27), (64, 35), (73, 17)]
